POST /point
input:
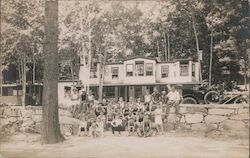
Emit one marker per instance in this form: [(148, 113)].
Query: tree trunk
[(20, 71), (1, 60), (102, 71), (165, 46), (51, 129), (168, 47), (197, 45), (101, 74), (34, 70), (211, 59), (23, 68), (71, 70)]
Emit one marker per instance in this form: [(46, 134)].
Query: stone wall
[(228, 120), (17, 119)]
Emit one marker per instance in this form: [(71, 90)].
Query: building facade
[(132, 77)]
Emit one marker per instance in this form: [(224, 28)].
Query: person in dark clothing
[(83, 101), (116, 124), (156, 96)]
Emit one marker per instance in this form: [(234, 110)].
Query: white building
[(132, 77)]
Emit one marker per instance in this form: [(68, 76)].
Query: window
[(7, 91), (109, 91), (93, 73), (114, 71), (149, 69), (184, 70), (164, 71), (129, 69), (139, 66), (193, 69)]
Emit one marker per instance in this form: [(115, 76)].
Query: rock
[(38, 111), (184, 126), (7, 112), (220, 111), (212, 126), (214, 134), (37, 118), (68, 120), (65, 113), (209, 119), (194, 118), (232, 125), (27, 113), (183, 110), (193, 110), (4, 121), (172, 110), (243, 111), (240, 117), (199, 127), (12, 119), (173, 118)]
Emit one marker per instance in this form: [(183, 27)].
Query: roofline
[(149, 58)]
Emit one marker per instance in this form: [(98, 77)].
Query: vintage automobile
[(214, 95), (193, 96)]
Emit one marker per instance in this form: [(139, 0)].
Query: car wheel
[(241, 100), (212, 97), (189, 100)]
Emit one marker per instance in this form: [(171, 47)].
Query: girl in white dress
[(158, 118)]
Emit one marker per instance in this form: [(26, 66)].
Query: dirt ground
[(170, 145)]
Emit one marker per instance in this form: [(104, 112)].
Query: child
[(100, 127), (93, 130), (116, 125), (82, 127), (140, 105), (131, 123), (125, 110), (158, 118), (121, 102)]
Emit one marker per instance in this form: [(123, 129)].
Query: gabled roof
[(149, 58)]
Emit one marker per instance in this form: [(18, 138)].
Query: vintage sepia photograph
[(124, 78)]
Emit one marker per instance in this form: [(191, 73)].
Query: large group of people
[(143, 118)]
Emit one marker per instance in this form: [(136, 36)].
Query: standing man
[(174, 99)]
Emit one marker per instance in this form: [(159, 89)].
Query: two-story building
[(132, 77)]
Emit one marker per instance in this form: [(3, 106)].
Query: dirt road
[(167, 146)]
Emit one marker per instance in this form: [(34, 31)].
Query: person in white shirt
[(174, 99)]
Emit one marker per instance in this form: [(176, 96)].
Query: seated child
[(100, 127), (82, 127), (131, 123), (93, 130), (116, 124)]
